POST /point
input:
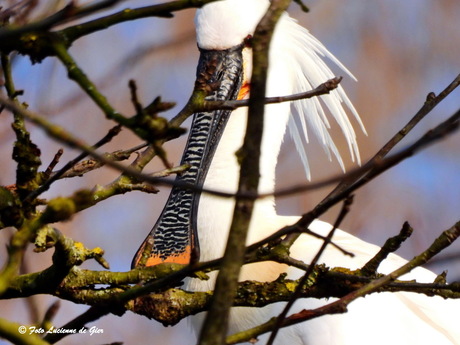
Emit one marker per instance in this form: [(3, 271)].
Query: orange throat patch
[(177, 258), (244, 91)]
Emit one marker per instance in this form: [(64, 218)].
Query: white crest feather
[(305, 55)]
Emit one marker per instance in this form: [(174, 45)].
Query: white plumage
[(297, 65)]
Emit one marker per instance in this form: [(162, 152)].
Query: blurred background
[(398, 51)]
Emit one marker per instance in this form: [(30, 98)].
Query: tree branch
[(215, 326)]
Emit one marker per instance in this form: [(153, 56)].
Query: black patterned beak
[(174, 237)]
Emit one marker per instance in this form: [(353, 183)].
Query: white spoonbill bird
[(194, 226)]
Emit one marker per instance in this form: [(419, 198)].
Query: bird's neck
[(215, 213)]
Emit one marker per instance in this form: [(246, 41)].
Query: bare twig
[(50, 314), (303, 7), (321, 89), (134, 98), (45, 186), (47, 173), (442, 242), (92, 314), (391, 245), (88, 165)]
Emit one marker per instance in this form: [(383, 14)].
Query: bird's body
[(296, 65)]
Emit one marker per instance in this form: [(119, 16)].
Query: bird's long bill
[(174, 237)]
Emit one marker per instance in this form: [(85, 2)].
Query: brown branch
[(88, 165), (321, 89), (47, 173), (302, 6), (390, 246), (442, 242), (50, 315)]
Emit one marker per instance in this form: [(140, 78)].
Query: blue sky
[(398, 50)]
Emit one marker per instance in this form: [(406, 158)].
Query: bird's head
[(225, 24)]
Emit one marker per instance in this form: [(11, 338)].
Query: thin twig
[(390, 246), (47, 173), (92, 314), (50, 314), (442, 242), (114, 131), (88, 165), (303, 7), (439, 132), (321, 89), (431, 102)]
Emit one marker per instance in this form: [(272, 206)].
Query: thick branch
[(9, 36), (215, 325)]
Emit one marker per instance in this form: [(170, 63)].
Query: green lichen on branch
[(59, 209), (11, 211), (27, 155), (68, 253), (323, 283), (391, 245), (150, 291), (380, 284), (171, 306), (25, 152), (66, 280)]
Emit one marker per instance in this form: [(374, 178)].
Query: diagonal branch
[(431, 102)]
